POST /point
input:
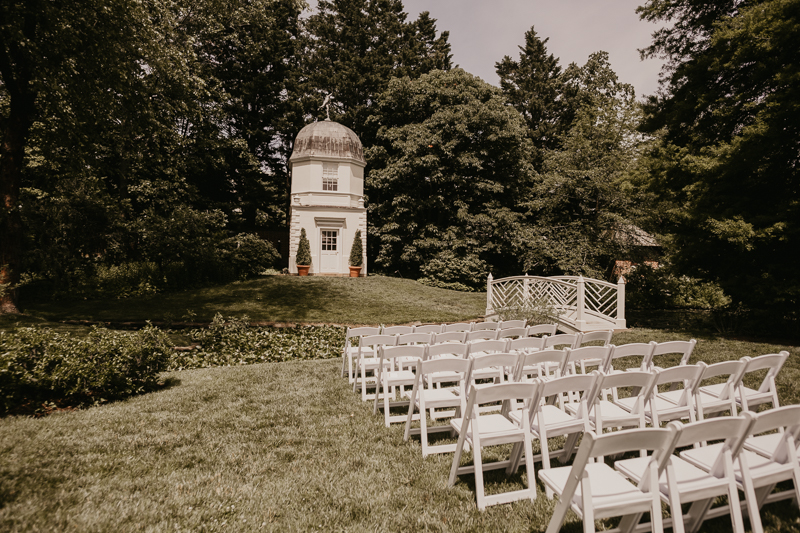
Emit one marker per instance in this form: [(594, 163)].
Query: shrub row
[(231, 341), (38, 365)]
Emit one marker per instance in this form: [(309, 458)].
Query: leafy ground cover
[(269, 447), (315, 299)]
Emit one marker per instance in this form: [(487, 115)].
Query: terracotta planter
[(302, 270), (355, 271)]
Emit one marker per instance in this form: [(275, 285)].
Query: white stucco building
[(327, 197)]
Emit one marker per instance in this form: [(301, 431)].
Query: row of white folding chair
[(595, 490)]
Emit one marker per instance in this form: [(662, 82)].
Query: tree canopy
[(726, 166)]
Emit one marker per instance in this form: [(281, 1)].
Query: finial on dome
[(326, 103)]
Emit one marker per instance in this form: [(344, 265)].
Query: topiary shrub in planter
[(303, 257), (356, 256)]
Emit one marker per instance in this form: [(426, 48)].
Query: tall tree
[(355, 47), (582, 198), (534, 86), (728, 159), (447, 173)]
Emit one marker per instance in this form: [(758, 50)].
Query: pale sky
[(483, 31)]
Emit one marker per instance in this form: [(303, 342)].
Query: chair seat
[(611, 412), (758, 465), (398, 377), (493, 429), (689, 477), (609, 488), (437, 398), (557, 420), (444, 377), (764, 444)]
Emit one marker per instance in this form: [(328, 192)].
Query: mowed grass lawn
[(271, 447), (370, 300)]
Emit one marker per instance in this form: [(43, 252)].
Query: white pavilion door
[(329, 253)]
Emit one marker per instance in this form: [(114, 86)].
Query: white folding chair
[(593, 490), (478, 430), (541, 364), (483, 347), (766, 391), (408, 339), (606, 413), (490, 366), (683, 482), (508, 333), (542, 329), (449, 350), (594, 337), (563, 340), (526, 344), (428, 328), (424, 397), (450, 336), (368, 360), (584, 357), (765, 461), (674, 404), (506, 324), (632, 356), (550, 420), (351, 342), (460, 326), (485, 326), (671, 353), (482, 335), (713, 399), (397, 330), (389, 380)]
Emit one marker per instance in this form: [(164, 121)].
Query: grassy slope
[(275, 447), (371, 300)]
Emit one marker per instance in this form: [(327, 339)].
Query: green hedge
[(232, 341), (38, 365)]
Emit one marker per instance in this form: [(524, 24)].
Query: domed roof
[(327, 138)]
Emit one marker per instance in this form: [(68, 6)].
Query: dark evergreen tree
[(534, 86), (354, 47)]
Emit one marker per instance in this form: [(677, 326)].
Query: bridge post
[(580, 322), (621, 324), (489, 309)]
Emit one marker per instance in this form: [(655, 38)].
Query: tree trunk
[(14, 130)]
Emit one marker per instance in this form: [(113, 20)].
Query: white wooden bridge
[(583, 304)]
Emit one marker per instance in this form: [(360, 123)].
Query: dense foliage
[(232, 341), (447, 173), (726, 165), (39, 365), (357, 250), (303, 256)]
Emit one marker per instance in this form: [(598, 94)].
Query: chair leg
[(478, 462), (587, 507), (462, 437)]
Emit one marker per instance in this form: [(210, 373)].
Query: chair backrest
[(428, 328), (772, 362), (588, 355), (485, 326), (625, 351), (448, 350), (448, 364), (661, 441), (505, 324), (483, 334), (686, 376), (640, 384), (414, 338), (542, 329), (491, 360), (585, 384), (501, 392), (532, 359), (461, 326), (397, 330), (512, 332), (526, 344), (488, 346), (450, 336), (412, 350), (353, 333), (593, 337), (376, 341), (733, 369), (570, 340), (682, 348)]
